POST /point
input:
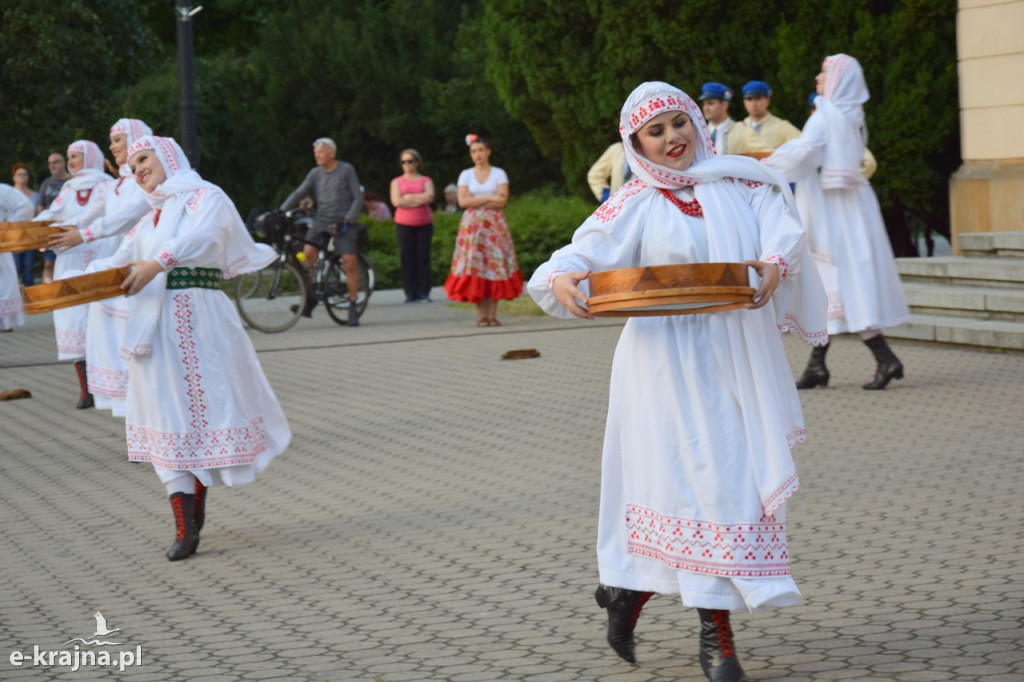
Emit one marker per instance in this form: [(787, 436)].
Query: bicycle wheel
[(336, 288), (270, 300)]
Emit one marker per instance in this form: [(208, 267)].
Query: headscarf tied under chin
[(133, 130), (643, 104), (91, 173), (183, 197), (653, 98), (842, 110), (180, 176)]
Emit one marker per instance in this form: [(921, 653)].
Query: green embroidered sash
[(194, 278)]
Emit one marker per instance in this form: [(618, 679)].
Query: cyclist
[(339, 199)]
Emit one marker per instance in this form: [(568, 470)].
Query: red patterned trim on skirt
[(70, 340), (106, 382), (9, 307), (197, 449), (473, 289), (744, 550)]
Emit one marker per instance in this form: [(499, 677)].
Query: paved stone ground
[(435, 519)]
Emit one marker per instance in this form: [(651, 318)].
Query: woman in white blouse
[(484, 268)]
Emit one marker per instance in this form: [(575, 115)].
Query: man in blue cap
[(757, 96), (728, 136)]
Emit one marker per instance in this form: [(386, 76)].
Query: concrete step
[(1003, 334), (982, 303), (992, 244), (957, 271)]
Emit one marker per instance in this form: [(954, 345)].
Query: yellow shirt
[(773, 131), (608, 171)]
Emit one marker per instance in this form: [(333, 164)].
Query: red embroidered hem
[(473, 289)]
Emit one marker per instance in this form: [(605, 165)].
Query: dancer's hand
[(769, 273), (566, 290), (143, 272), (66, 239)]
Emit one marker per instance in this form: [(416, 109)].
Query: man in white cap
[(339, 199)]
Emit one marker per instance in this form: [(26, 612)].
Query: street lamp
[(186, 81)]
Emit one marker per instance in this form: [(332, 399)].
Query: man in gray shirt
[(339, 199)]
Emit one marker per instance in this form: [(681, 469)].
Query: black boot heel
[(623, 608), (816, 373), (889, 366), (717, 651), (186, 537)]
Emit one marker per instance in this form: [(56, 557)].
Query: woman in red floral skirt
[(484, 268)]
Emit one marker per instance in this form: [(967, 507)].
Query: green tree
[(60, 63)]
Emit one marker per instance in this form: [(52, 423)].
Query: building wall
[(987, 192)]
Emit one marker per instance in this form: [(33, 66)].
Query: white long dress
[(105, 223), (197, 398), (846, 233), (702, 412), (74, 199), (13, 206)]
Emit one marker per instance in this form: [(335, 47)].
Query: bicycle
[(272, 299)]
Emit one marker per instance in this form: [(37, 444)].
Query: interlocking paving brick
[(436, 514)]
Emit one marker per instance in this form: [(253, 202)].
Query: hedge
[(540, 222)]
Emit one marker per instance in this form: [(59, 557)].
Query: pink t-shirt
[(413, 217)]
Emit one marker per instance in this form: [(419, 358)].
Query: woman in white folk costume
[(86, 188), (844, 222), (104, 223), (13, 206), (702, 411), (199, 406)]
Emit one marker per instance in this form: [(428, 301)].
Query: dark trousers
[(414, 250), (23, 263)]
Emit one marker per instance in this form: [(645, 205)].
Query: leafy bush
[(540, 222)]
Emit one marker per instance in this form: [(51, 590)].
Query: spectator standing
[(451, 199), (411, 194), (728, 136), (609, 172), (772, 131), (484, 268), (49, 189), (339, 201), (375, 208), (24, 262)]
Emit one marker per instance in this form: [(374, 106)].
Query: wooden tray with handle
[(669, 290), (64, 293), (25, 235)]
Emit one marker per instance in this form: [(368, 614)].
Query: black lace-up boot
[(816, 373), (717, 653), (889, 366), (623, 611), (186, 536), (84, 397)]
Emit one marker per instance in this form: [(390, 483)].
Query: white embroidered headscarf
[(183, 196), (842, 110), (133, 130), (180, 176), (732, 229), (653, 98), (91, 172)]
